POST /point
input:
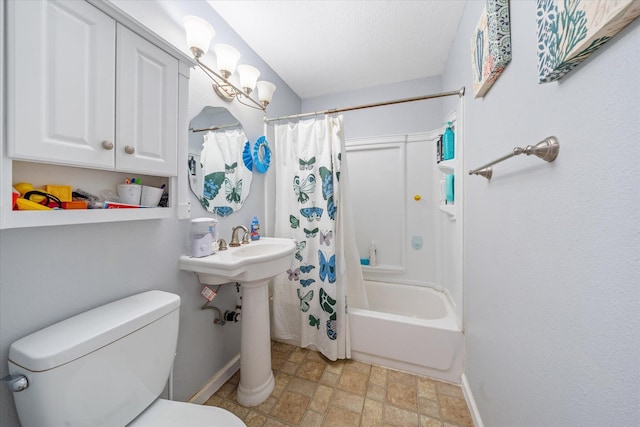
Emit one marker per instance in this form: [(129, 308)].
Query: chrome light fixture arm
[(227, 90), (242, 96)]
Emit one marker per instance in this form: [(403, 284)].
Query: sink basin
[(257, 251), (259, 260)]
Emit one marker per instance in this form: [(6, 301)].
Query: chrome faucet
[(234, 236)]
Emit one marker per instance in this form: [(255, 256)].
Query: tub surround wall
[(552, 302), (390, 216), (378, 197)]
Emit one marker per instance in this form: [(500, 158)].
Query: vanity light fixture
[(199, 35)]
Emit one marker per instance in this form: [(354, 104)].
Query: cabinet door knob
[(129, 149), (107, 145)]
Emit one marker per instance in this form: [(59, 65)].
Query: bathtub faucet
[(234, 236)]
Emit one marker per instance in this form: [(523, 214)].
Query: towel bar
[(547, 150)]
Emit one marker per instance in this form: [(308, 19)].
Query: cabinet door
[(60, 82), (146, 107)]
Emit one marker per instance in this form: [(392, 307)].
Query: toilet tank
[(102, 367)]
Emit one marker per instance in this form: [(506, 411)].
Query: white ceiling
[(325, 47)]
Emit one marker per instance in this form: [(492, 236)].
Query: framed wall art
[(490, 46), (571, 30)]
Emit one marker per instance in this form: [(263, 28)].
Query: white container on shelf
[(129, 193), (150, 196)]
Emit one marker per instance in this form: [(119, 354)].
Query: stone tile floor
[(311, 390)]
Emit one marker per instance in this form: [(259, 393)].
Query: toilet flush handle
[(16, 382)]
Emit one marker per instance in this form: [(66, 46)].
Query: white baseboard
[(216, 381), (471, 403)]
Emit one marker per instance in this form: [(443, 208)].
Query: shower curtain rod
[(213, 128), (460, 93)]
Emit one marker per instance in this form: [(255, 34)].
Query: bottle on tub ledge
[(255, 229), (373, 254)]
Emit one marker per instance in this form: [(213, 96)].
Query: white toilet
[(107, 367)]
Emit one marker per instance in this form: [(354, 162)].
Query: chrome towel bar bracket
[(547, 150)]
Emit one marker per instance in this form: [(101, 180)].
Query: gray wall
[(399, 119), (552, 302), (50, 273)]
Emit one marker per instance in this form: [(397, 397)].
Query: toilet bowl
[(107, 367)]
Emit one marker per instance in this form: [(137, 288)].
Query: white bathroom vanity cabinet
[(92, 98)]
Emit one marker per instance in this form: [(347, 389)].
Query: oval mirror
[(219, 161)]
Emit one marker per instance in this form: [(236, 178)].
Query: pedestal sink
[(252, 266)]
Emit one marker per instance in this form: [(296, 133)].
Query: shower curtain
[(312, 207)]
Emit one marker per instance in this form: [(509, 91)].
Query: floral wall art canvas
[(571, 30), (490, 46)]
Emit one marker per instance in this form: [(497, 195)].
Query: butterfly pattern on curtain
[(224, 169), (312, 223)]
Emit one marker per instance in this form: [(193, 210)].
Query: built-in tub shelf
[(447, 166), (449, 210), (451, 167)]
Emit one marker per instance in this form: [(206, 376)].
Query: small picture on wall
[(490, 46), (571, 30)]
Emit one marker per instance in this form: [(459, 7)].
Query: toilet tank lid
[(86, 332)]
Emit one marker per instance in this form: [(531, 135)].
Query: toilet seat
[(168, 413)]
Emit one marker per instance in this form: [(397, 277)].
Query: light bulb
[(199, 34), (248, 77), (227, 57), (265, 92)]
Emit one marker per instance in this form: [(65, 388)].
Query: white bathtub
[(407, 327)]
